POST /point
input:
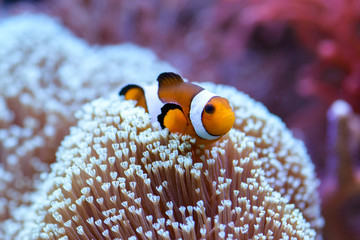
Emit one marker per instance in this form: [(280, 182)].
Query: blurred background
[(297, 57)]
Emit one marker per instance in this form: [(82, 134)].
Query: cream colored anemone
[(284, 159), (46, 74), (119, 177)]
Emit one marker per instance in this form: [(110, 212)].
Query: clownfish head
[(217, 116)]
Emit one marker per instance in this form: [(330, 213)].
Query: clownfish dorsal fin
[(169, 78)]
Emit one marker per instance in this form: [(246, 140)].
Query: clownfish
[(183, 107)]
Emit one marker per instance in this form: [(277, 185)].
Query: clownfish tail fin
[(134, 92), (168, 78), (125, 89), (172, 117)]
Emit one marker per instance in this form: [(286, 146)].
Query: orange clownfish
[(183, 107)]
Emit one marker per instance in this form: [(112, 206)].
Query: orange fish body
[(185, 108)]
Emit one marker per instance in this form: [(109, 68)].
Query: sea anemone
[(119, 176), (46, 74)]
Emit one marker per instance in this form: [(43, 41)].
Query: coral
[(46, 75), (341, 187), (119, 176), (207, 40), (331, 31)]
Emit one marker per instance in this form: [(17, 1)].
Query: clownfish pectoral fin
[(134, 92), (169, 78), (172, 117)]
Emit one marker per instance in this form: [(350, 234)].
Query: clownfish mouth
[(222, 125), (228, 121)]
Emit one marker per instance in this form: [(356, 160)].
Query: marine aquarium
[(179, 119)]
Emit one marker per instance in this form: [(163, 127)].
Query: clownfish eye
[(209, 108)]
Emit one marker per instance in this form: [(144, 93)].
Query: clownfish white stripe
[(154, 104), (196, 108)]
